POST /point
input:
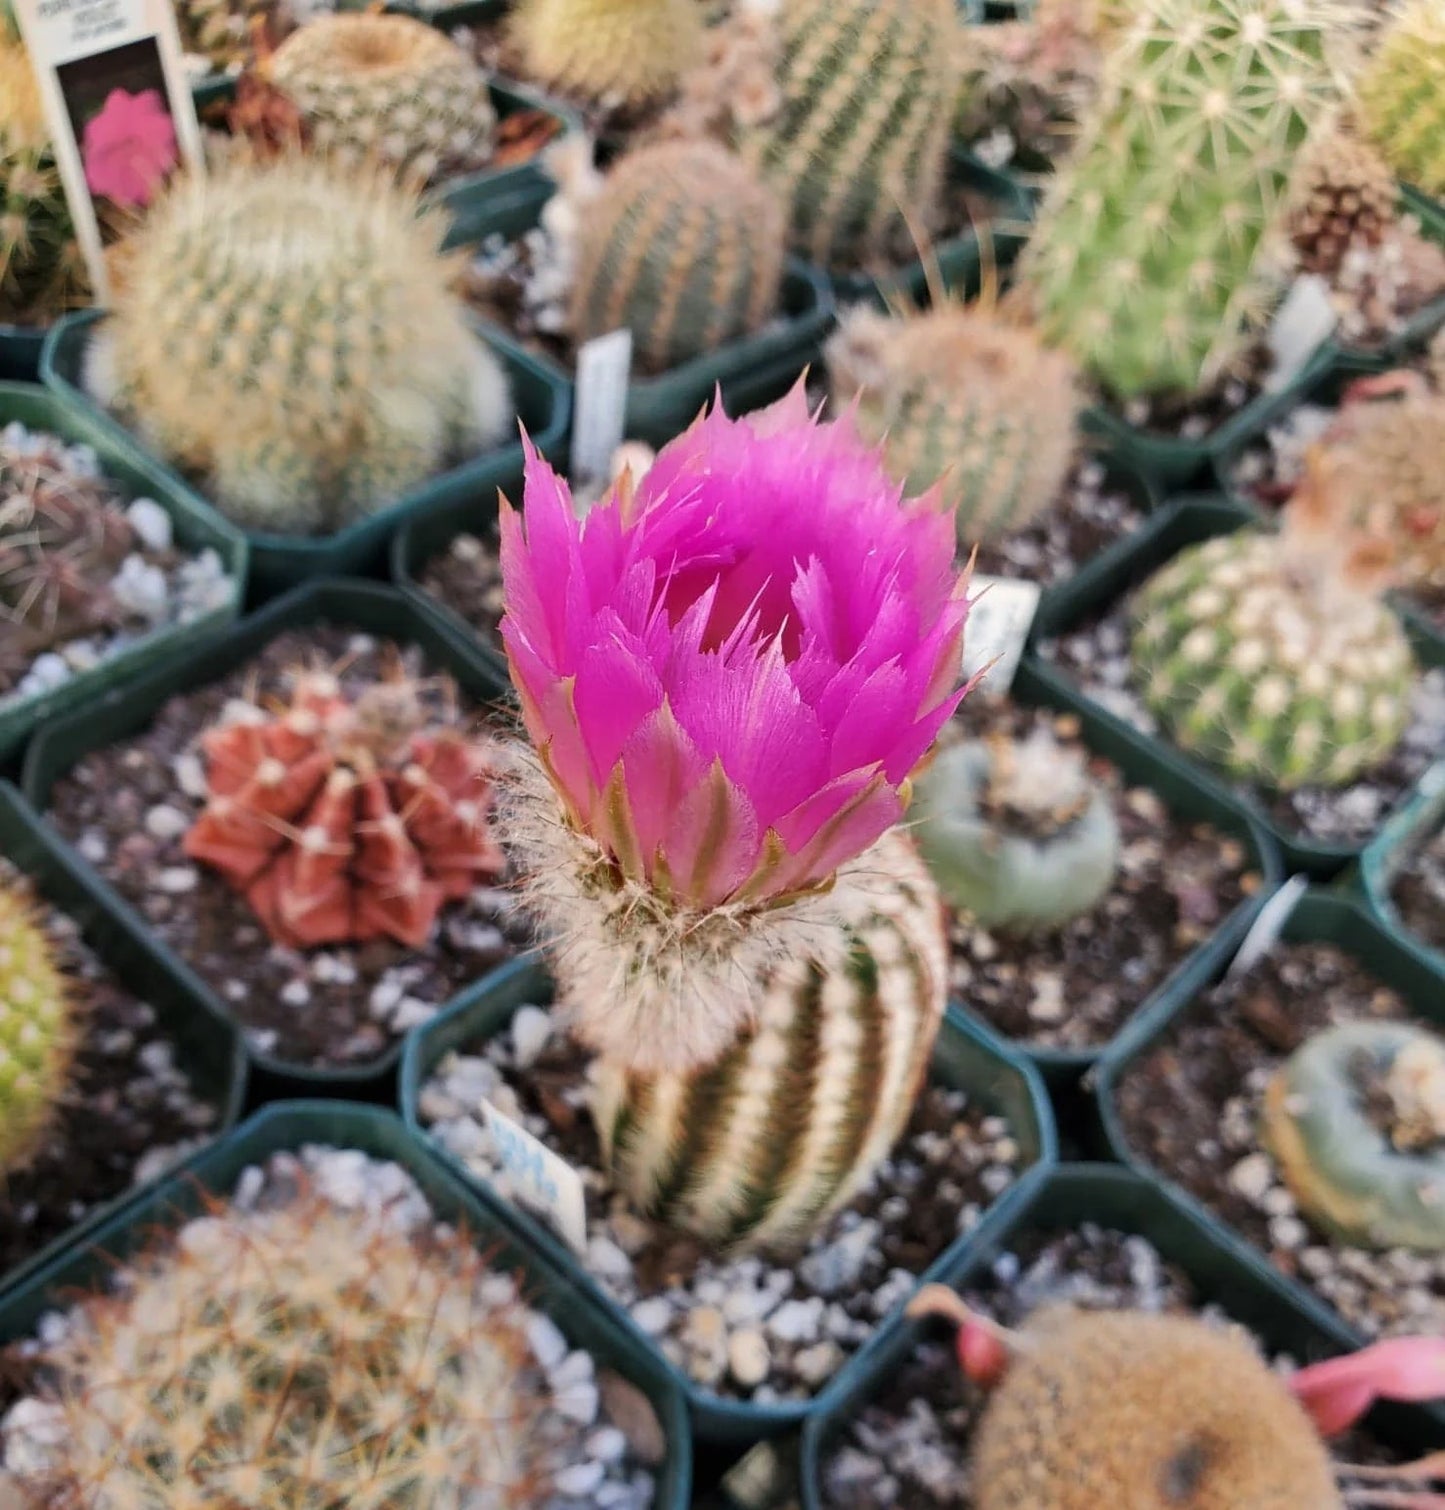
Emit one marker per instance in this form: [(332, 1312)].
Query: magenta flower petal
[(1338, 1392), (129, 148)]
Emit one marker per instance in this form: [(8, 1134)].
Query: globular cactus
[(684, 247), (1356, 1119), (299, 1357), (286, 334), (62, 540), (1346, 198), (961, 397), (388, 89), (1150, 260), (343, 819), (38, 1032), (1401, 95), (1272, 656), (42, 273), (611, 52), (1015, 832), (780, 1133)]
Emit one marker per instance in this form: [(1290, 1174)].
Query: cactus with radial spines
[(1401, 95), (622, 52), (387, 88), (1272, 655), (1152, 260), (38, 1031), (286, 332), (756, 1149), (1356, 1119), (684, 247), (960, 396), (299, 1357), (1016, 832)]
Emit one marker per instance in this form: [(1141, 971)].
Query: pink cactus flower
[(1338, 1392), (129, 148), (730, 669)]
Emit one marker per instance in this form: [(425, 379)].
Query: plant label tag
[(604, 368), (117, 99), (545, 1184), (1305, 321), (1267, 927), (1000, 614)]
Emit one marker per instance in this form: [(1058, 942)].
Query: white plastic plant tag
[(1000, 614), (604, 367), (1304, 322), (545, 1184), (1267, 927), (112, 79)]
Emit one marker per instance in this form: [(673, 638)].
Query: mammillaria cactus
[(1149, 259), (616, 52), (1271, 655), (37, 1031), (1401, 95), (41, 270), (389, 89), (684, 247), (1016, 833), (961, 397), (761, 641), (345, 819), (296, 1357), (288, 334), (1346, 199), (1356, 1118)]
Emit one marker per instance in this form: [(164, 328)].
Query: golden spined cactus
[(387, 89), (1401, 96), (287, 335)]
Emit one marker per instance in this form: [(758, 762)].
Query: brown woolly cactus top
[(1036, 786), (1346, 196), (1415, 1086)]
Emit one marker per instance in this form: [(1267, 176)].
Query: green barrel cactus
[(1149, 261), (684, 247), (1356, 1119), (783, 1130), (611, 52), (966, 399), (1401, 96), (1272, 656), (1015, 832), (37, 1032)]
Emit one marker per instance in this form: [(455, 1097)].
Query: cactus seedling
[(1016, 833), (346, 819), (1356, 1118)]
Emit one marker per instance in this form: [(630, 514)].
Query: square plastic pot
[(364, 606), (1402, 838), (967, 1056), (1318, 917), (279, 562), (291, 1126), (209, 1051), (1117, 572), (196, 528), (1222, 1272)]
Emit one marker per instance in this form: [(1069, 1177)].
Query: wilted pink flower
[(1338, 1392), (129, 148)]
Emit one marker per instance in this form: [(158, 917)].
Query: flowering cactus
[(345, 821), (129, 148)]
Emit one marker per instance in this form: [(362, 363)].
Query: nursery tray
[(1223, 1272), (1318, 917), (366, 606), (291, 1126), (966, 1055), (210, 1049), (20, 347), (196, 526), (1186, 521), (279, 562), (1401, 837)]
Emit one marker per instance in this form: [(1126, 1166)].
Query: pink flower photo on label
[(129, 148)]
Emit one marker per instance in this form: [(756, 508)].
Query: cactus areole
[(343, 820)]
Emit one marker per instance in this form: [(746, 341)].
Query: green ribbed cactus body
[(1402, 95), (1148, 261), (781, 1132), (858, 142), (684, 247), (1267, 669)]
